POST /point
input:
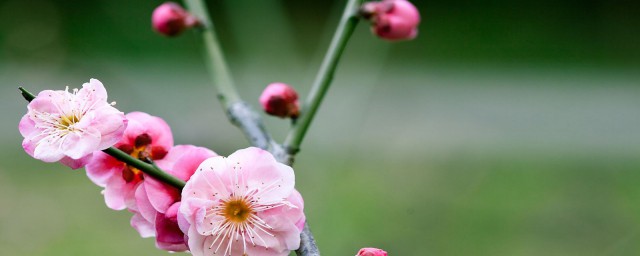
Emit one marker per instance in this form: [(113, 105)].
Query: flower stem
[(216, 63), (239, 112), (324, 77), (26, 94), (149, 169)]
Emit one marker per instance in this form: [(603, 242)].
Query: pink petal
[(287, 222), (143, 204), (197, 243), (111, 123), (93, 92), (76, 163), (30, 133), (261, 170), (155, 127), (79, 144), (143, 226), (183, 160), (206, 181), (117, 192), (160, 195), (46, 101), (47, 152), (27, 127), (102, 167), (169, 236)]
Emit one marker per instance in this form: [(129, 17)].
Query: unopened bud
[(392, 19), (279, 99), (371, 252), (170, 19)]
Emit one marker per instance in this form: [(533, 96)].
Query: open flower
[(245, 204), (69, 126), (146, 137), (156, 203)]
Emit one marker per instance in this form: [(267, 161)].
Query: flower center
[(67, 121), (142, 150), (236, 210)]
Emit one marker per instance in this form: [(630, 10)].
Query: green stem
[(26, 94), (239, 112), (147, 168), (216, 64), (324, 77)]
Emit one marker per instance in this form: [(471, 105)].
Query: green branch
[(324, 77), (239, 112)]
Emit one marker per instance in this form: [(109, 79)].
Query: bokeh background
[(505, 128)]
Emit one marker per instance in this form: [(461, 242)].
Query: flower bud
[(392, 19), (279, 99), (371, 252), (170, 19)]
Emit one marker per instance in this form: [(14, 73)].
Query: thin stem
[(149, 169), (26, 94), (239, 112), (216, 63), (324, 77)]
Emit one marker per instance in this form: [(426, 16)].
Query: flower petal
[(76, 163), (47, 151), (102, 167), (79, 144), (142, 225), (261, 170)]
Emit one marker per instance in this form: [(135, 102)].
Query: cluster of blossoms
[(244, 204)]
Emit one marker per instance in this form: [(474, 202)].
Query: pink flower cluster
[(243, 204)]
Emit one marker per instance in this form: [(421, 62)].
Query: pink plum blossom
[(69, 126), (170, 19), (146, 136), (393, 19), (279, 99), (245, 204), (371, 252), (156, 204)]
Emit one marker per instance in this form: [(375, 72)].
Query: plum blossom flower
[(69, 126), (280, 99), (170, 19), (156, 204), (392, 19), (369, 251), (245, 204), (146, 137)]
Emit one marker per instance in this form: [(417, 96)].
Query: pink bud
[(371, 252), (279, 99), (170, 19), (392, 19)]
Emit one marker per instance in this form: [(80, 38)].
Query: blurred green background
[(505, 128)]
